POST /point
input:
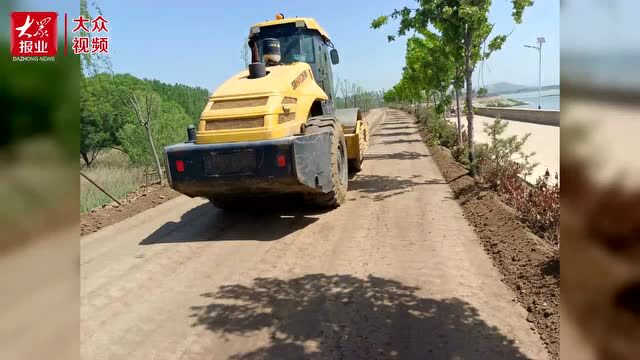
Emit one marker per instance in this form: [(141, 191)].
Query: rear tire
[(355, 165), (339, 162)]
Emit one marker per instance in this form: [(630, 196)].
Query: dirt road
[(396, 272)]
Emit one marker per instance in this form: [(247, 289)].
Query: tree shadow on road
[(321, 316), (207, 223), (395, 133), (383, 187), (400, 155), (383, 127), (402, 141)]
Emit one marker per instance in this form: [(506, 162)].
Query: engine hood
[(294, 79)]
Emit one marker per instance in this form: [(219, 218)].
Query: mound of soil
[(528, 264), (136, 202)]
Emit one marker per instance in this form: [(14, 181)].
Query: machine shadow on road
[(321, 316), (208, 223)]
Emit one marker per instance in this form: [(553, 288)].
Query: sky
[(596, 26), (199, 42)]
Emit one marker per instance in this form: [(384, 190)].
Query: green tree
[(458, 23), (502, 152), (431, 65), (167, 128), (191, 99), (482, 92), (102, 112), (145, 106)]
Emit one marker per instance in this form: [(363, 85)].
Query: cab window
[(296, 44)]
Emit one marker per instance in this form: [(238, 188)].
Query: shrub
[(442, 131), (445, 132), (424, 113), (503, 164), (461, 151), (503, 156), (543, 208)]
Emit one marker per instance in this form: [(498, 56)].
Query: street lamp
[(540, 40)]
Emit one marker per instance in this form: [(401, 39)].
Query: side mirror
[(334, 56)]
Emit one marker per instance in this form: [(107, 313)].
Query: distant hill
[(506, 88)]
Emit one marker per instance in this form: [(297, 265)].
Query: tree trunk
[(458, 115), (155, 154), (468, 73), (443, 95), (86, 159)]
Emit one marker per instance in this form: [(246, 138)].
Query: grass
[(112, 171)]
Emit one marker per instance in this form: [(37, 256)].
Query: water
[(549, 100)]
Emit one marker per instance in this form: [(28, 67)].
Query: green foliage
[(482, 92), (168, 125), (441, 131), (191, 99), (103, 110), (503, 163), (354, 95), (455, 30), (444, 22), (502, 153), (430, 69), (102, 114), (518, 9)]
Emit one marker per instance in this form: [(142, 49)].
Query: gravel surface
[(397, 272)]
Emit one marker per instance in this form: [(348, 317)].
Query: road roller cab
[(272, 128)]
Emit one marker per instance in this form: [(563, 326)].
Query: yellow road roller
[(272, 129)]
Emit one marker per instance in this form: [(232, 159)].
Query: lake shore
[(497, 101)]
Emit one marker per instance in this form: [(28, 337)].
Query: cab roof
[(309, 22)]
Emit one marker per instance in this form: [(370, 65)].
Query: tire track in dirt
[(396, 272)]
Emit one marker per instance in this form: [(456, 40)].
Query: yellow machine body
[(310, 23), (253, 138), (271, 107), (267, 108)]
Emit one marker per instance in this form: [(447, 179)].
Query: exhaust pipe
[(271, 51), (191, 133), (257, 70)]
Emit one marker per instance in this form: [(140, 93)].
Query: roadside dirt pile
[(136, 202)]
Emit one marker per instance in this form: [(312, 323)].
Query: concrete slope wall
[(544, 117)]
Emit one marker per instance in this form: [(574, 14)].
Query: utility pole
[(540, 41)]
